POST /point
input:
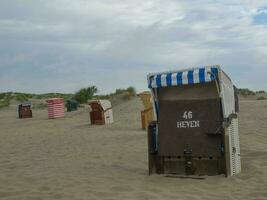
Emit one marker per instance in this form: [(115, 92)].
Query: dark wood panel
[(198, 129)]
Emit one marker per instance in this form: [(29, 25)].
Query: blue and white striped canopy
[(185, 77)]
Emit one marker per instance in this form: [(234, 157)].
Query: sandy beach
[(69, 159)]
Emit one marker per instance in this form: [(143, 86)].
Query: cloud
[(63, 45)]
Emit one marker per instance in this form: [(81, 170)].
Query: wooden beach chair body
[(101, 112), (196, 127)]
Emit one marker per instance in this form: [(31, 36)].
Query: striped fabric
[(55, 108), (188, 77)]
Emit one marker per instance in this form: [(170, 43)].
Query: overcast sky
[(63, 45)]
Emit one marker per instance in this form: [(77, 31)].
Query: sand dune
[(69, 159)]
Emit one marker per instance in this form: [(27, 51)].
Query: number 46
[(188, 115)]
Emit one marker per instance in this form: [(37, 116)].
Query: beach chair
[(196, 126)]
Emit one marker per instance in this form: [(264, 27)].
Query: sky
[(64, 45)]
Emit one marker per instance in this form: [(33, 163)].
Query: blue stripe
[(214, 73), (202, 75), (150, 83), (190, 77), (169, 79), (158, 80), (179, 78), (157, 108)]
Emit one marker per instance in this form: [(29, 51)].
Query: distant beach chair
[(101, 112), (72, 105), (24, 110), (147, 115), (55, 108)]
